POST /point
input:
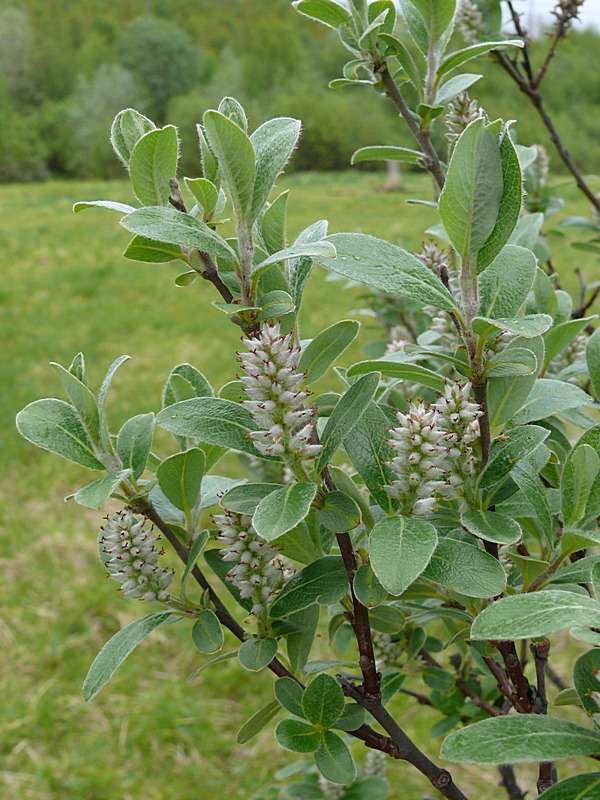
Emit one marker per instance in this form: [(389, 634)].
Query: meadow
[(66, 288)]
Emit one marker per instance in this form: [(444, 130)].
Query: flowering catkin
[(433, 446), (277, 400), (258, 570), (132, 558), (460, 113)]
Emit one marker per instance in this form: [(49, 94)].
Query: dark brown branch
[(371, 738), (405, 749), (480, 395), (502, 681), (525, 692), (431, 160), (584, 305), (509, 782), (532, 92), (466, 690)]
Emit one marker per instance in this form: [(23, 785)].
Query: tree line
[(67, 68)]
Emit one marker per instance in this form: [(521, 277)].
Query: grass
[(66, 288)]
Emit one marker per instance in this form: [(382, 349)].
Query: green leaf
[(211, 420), (515, 445), (465, 569), (507, 395), (83, 400), (348, 411), (398, 49), (585, 678), (299, 644), (297, 270), (273, 223), (592, 437), (283, 509), (326, 11), (234, 111), (510, 204), (516, 361), (297, 736), (193, 555), (256, 654), (257, 722), (274, 142), (207, 634), (323, 701), (400, 370), (529, 326), (121, 208), (236, 156), (492, 526), (116, 650), (180, 478), (183, 383), (459, 57), (400, 549), (173, 227), (526, 616), (333, 759), (368, 452), (323, 250), (549, 397), (134, 442), (514, 739), (592, 356), (244, 499), (386, 619), (579, 787), (382, 265), (340, 513), (470, 201), (352, 718), (386, 153), (151, 251), (455, 86), (205, 193), (367, 588), (152, 164), (560, 336), (324, 581), (505, 284), (55, 426), (579, 473), (127, 129), (275, 304), (289, 695), (328, 345), (97, 493)]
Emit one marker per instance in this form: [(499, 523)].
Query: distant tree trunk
[(393, 176)]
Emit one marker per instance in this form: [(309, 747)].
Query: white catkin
[(433, 446), (133, 559), (258, 570), (274, 387)]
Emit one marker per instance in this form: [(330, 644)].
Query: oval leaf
[(282, 510), (207, 634), (256, 654), (323, 701), (116, 650), (466, 569), (324, 581), (323, 350), (524, 737), (526, 616), (401, 548)]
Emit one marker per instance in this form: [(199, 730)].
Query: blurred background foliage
[(67, 67)]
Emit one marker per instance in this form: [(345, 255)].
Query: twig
[(509, 781), (371, 738), (431, 160), (547, 774), (405, 750), (480, 395), (466, 690), (525, 692), (533, 93)]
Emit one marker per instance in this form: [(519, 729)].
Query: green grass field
[(65, 288)]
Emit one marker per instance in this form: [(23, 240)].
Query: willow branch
[(431, 160), (405, 748)]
